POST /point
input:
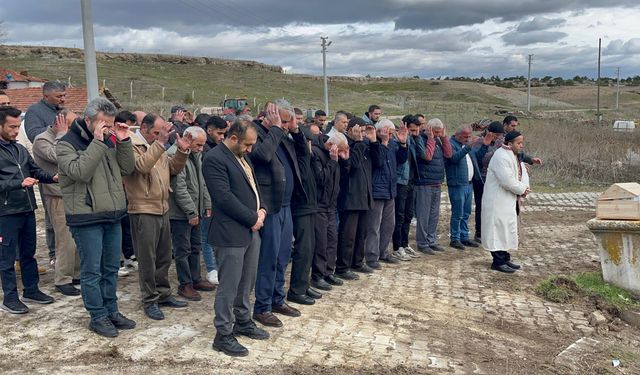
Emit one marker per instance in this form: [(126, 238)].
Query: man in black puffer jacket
[(327, 152), (18, 174)]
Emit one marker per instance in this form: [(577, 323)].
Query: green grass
[(561, 289), (593, 283), (553, 289)]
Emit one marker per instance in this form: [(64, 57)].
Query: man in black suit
[(275, 156), (238, 214)]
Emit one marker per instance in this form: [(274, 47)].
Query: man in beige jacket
[(67, 265), (148, 195)]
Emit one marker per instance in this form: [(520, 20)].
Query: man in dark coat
[(239, 214)]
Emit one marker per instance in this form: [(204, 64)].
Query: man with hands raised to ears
[(91, 167), (148, 194)]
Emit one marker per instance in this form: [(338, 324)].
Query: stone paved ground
[(436, 314)]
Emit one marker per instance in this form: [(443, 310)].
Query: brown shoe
[(204, 286), (267, 319), (189, 293), (287, 310)]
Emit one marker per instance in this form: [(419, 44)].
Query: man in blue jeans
[(91, 166), (17, 218), (274, 158), (460, 169)]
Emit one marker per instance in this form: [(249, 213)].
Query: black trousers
[(405, 209), (326, 251), (500, 257), (478, 189), (18, 239), (304, 234), (351, 239), (127, 242)]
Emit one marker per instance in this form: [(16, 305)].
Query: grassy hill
[(211, 79)]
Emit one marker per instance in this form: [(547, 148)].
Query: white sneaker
[(131, 264), (410, 252), (212, 277), (400, 254), (123, 271)]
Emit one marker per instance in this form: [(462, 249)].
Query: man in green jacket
[(92, 158), (189, 203)]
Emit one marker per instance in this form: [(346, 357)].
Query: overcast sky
[(427, 38)]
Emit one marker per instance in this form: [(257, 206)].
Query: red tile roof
[(15, 76), (23, 98)]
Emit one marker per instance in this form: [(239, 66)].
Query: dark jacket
[(327, 174), (431, 162), (15, 166), (209, 144), (305, 201), (456, 166), (384, 165), (91, 176), (355, 178), (38, 117), (233, 200), (268, 167)]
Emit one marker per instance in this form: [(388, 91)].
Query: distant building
[(22, 98), (10, 79)]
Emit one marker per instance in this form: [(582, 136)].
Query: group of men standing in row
[(265, 186)]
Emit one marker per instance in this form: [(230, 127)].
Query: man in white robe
[(506, 181)]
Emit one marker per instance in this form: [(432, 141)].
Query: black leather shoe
[(75, 281), (333, 280), (121, 322), (68, 289), (374, 265), (470, 243), (302, 299), (426, 250), (251, 330), (437, 247), (154, 312), (363, 269), (503, 268), (513, 265), (103, 327), (14, 307), (229, 346), (321, 284), (347, 275), (457, 245), (37, 297), (173, 303), (314, 293)]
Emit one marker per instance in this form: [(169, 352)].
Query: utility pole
[(324, 72), (529, 85), (617, 88), (598, 115), (90, 67)]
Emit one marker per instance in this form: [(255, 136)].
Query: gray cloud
[(523, 39), (540, 23), (194, 14), (620, 47)]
